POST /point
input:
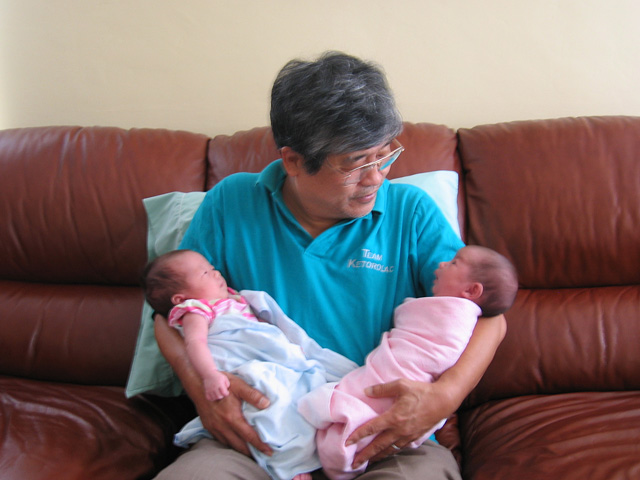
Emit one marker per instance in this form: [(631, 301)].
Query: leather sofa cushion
[(561, 198), (566, 340), (572, 190), (69, 333), (566, 436), (73, 243), (55, 430), (72, 198)]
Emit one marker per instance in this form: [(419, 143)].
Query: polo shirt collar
[(272, 176)]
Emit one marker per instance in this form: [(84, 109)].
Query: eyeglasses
[(351, 177)]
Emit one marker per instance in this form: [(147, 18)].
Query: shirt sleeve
[(190, 306), (204, 232)]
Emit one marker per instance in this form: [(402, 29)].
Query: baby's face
[(453, 277), (201, 278)]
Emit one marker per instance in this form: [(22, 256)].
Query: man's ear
[(292, 161), (473, 291)]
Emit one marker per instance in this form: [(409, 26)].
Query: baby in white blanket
[(247, 335)]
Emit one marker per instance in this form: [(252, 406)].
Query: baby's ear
[(473, 291), (178, 298)]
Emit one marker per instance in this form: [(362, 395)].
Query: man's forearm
[(459, 380), (173, 349), (418, 406)]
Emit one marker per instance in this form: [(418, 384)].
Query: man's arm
[(223, 418), (419, 405)]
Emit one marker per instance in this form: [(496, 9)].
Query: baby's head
[(179, 275), (481, 275)]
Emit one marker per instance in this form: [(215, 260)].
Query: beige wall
[(207, 65)]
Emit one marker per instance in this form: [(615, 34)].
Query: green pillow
[(168, 217)]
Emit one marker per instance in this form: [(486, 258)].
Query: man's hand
[(223, 418), (225, 421), (417, 408)]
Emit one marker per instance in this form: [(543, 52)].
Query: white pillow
[(442, 187)]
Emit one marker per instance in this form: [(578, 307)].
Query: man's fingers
[(387, 420), (226, 422), (250, 395), (372, 427), (378, 449), (391, 389), (236, 433), (233, 441), (250, 436), (243, 433), (392, 449)]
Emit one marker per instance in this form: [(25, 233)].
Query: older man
[(339, 248)]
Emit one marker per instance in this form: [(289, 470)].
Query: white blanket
[(278, 358)]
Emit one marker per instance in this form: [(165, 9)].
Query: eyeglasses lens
[(358, 175)]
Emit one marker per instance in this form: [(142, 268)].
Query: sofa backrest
[(73, 243), (561, 198)]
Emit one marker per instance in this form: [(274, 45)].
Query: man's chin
[(361, 210)]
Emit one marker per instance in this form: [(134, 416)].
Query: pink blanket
[(429, 336)]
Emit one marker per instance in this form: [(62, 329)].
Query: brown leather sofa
[(560, 197)]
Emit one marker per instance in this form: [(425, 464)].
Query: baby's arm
[(196, 328)]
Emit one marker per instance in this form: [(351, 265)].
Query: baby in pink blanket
[(428, 337)]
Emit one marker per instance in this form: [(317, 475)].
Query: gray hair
[(334, 105)]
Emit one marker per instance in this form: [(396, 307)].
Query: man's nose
[(372, 176)]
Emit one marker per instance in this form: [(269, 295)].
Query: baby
[(222, 333), (186, 289), (428, 337)]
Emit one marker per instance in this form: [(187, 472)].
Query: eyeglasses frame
[(390, 158)]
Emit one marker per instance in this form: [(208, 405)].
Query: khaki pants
[(208, 460)]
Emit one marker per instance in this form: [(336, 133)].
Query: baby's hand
[(216, 386)]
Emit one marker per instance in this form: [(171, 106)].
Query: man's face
[(324, 195)]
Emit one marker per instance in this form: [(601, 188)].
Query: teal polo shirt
[(341, 286)]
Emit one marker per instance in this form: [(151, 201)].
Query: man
[(338, 248)]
